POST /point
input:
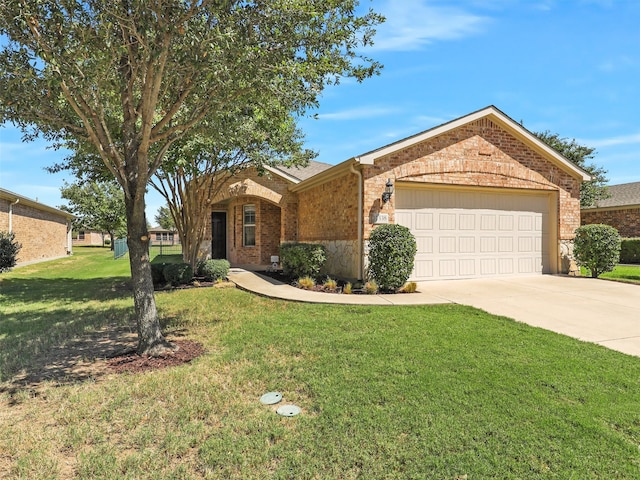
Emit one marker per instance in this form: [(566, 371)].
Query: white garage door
[(469, 234)]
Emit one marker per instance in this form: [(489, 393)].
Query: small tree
[(392, 251), (97, 206), (164, 219), (597, 247), (9, 249)]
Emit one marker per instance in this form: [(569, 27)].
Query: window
[(249, 225), (81, 235)]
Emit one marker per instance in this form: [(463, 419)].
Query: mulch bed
[(131, 362)]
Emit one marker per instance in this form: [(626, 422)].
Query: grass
[(386, 392), (621, 273)]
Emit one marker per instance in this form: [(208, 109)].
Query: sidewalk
[(268, 287)]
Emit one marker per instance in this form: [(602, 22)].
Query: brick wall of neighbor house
[(43, 235), (478, 154), (90, 239), (625, 220)]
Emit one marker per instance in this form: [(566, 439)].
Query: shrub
[(213, 270), (410, 287), (178, 273), (597, 247), (330, 284), (392, 251), (630, 250), (348, 289), (306, 282), (371, 287), (9, 249), (157, 273), (107, 241), (302, 259)]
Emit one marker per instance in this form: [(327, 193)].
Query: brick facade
[(477, 154), (325, 208), (43, 233), (625, 220), (89, 238)]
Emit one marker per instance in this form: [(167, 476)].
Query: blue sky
[(571, 67)]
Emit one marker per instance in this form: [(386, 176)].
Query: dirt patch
[(132, 362)]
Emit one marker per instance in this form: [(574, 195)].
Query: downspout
[(360, 226), (70, 237), (11, 214)]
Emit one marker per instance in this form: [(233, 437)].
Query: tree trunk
[(150, 338)]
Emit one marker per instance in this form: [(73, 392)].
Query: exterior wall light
[(388, 191)]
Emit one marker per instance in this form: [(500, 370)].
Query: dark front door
[(219, 235)]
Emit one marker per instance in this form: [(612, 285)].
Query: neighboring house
[(482, 195), (89, 238), (621, 210), (43, 231), (163, 236)]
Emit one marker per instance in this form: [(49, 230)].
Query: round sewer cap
[(288, 410), (271, 398)]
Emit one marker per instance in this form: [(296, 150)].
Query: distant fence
[(120, 248)]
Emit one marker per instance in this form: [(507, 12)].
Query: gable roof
[(623, 195), (298, 174), (498, 117), (14, 197)]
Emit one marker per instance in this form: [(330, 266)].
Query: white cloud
[(356, 113), (412, 24), (630, 139)]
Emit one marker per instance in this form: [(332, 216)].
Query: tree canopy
[(593, 190), (124, 80), (97, 206)]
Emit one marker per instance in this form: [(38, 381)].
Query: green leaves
[(597, 247), (593, 190)]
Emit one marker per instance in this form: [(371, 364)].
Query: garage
[(464, 232)]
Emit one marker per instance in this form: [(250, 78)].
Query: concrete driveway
[(598, 311)]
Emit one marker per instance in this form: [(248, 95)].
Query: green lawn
[(442, 392), (621, 273)]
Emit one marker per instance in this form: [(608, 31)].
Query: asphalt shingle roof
[(621, 195), (302, 173)]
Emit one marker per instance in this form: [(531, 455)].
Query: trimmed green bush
[(630, 250), (302, 259), (392, 251), (212, 270), (9, 249), (597, 247), (178, 273), (157, 273)]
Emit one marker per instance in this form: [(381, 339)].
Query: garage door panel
[(466, 235)]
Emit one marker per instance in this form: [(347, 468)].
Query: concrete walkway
[(598, 311)]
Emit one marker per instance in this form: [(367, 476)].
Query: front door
[(219, 235)]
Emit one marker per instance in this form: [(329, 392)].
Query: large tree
[(593, 190), (96, 206), (198, 166), (126, 79)]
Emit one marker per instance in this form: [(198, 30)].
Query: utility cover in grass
[(271, 398), (288, 410)]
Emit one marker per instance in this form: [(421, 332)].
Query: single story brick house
[(159, 235), (621, 210), (43, 231), (89, 238), (482, 195)]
